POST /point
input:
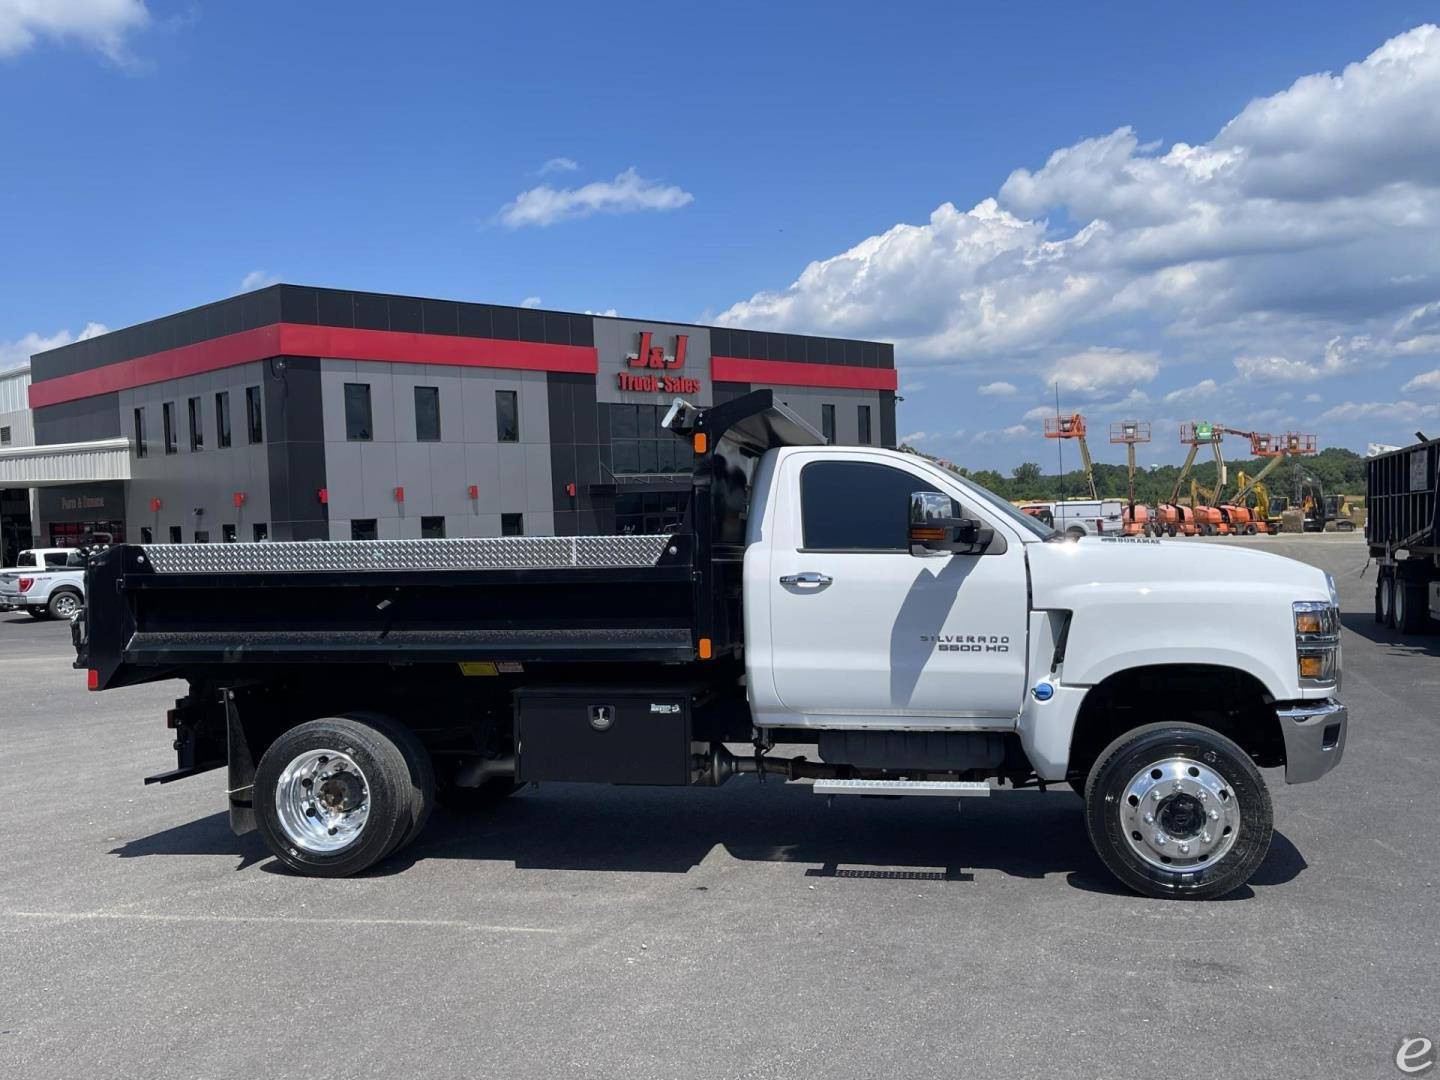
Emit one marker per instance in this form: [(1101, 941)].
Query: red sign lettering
[(652, 358)]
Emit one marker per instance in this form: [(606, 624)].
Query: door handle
[(809, 577)]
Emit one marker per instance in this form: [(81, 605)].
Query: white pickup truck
[(920, 633), (48, 583)]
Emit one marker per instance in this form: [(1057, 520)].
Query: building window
[(167, 413), (507, 418), (202, 536), (640, 446), (864, 425), (363, 529), (176, 537), (650, 512), (147, 535), (227, 533), (222, 419), (140, 448), (512, 524), (359, 420), (427, 414), (432, 528), (197, 425), (254, 418), (260, 532), (4, 436), (827, 422)]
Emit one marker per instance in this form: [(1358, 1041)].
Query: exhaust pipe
[(477, 771)]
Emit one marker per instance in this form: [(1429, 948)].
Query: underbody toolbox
[(606, 734)]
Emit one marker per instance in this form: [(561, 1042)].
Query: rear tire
[(1410, 613), (335, 796), (63, 603), (1075, 533), (1385, 599), (1178, 812)]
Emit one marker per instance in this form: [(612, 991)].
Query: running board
[(949, 789)]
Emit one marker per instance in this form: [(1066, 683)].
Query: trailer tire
[(1385, 598), (1410, 612), (371, 773), (1210, 818)]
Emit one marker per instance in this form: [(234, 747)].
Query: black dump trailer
[(482, 663), (1404, 535)]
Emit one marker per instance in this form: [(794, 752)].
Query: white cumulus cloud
[(1100, 370), (103, 25), (1300, 244), (15, 353), (258, 279), (628, 193), (1000, 388), (1428, 381), (559, 164)]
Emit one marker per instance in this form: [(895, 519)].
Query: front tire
[(1178, 811), (335, 796)]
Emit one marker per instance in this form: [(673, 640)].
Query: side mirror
[(933, 528)]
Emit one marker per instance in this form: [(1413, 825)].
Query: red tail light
[(25, 583), (92, 679)]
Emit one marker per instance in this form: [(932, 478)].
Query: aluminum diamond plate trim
[(344, 556)]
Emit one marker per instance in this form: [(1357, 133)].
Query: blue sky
[(1279, 272)]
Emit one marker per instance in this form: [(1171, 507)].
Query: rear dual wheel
[(1408, 612), (1178, 811), (335, 796)]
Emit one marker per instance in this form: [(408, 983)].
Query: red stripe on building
[(295, 339), (789, 373)]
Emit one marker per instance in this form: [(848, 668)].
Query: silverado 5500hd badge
[(968, 642)]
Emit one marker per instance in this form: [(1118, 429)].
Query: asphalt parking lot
[(747, 931)]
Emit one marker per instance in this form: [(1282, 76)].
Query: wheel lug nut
[(1149, 819), (1204, 795), (1158, 795), (1161, 839), (1179, 786), (1214, 814), (1204, 837), (1184, 849)]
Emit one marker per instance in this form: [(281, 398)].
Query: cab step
[(948, 789)]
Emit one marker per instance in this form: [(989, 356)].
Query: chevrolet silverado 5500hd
[(920, 633)]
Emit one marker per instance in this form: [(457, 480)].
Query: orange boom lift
[(1073, 427)]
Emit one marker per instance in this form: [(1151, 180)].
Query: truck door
[(865, 633)]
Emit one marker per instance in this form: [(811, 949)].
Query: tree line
[(1338, 470)]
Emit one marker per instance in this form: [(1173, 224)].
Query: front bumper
[(1314, 734)]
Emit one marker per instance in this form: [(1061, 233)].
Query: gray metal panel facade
[(436, 476)]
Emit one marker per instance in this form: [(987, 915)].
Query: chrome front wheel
[(1179, 814)]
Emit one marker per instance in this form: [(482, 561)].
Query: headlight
[(1317, 641)]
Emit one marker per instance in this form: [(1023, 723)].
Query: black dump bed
[(1400, 500), (183, 610)]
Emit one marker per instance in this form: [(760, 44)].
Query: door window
[(858, 506)]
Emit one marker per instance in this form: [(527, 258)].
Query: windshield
[(1030, 527)]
